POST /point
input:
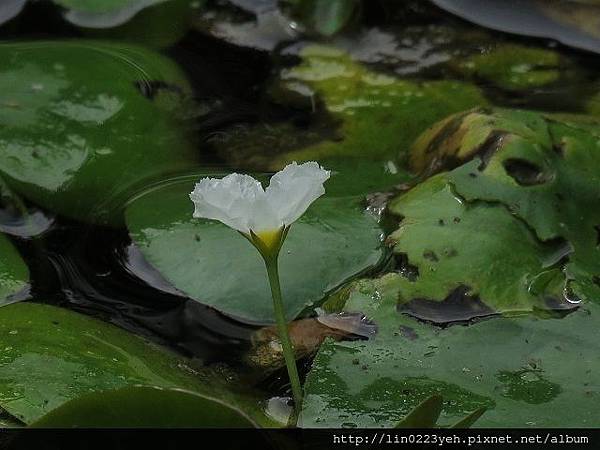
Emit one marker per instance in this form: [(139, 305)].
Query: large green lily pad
[(544, 169), (14, 274), (528, 372), (83, 124), (51, 356), (144, 407), (213, 264)]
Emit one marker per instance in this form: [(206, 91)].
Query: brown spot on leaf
[(458, 307)]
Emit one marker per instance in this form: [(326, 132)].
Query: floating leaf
[(527, 372), (153, 23), (463, 260), (103, 13), (10, 9), (144, 407), (217, 266), (51, 356), (569, 22), (82, 124), (543, 169)]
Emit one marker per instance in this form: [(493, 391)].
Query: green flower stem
[(271, 262)]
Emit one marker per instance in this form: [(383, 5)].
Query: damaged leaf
[(471, 259), (544, 169)]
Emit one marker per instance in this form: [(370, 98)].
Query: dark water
[(98, 270)]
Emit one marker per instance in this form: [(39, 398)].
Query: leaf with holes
[(463, 260), (544, 169)]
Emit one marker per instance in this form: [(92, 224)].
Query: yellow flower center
[(270, 238)]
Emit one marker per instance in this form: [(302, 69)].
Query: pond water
[(455, 252)]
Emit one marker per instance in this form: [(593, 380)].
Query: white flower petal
[(240, 202), (230, 199), (293, 189)]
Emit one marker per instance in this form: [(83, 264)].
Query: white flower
[(240, 202)]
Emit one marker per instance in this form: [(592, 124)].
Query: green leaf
[(511, 226), (468, 421), (425, 415), (477, 259), (144, 407), (527, 372), (513, 66), (51, 356), (8, 421), (84, 124), (546, 171), (215, 265), (14, 274), (379, 115)]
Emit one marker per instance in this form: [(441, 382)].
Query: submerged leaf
[(365, 121), (514, 67)]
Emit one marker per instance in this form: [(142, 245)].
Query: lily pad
[(379, 115), (475, 258), (14, 274), (83, 124), (569, 22), (99, 5), (144, 407), (152, 23), (51, 356), (207, 261), (527, 372), (10, 9), (544, 169)]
